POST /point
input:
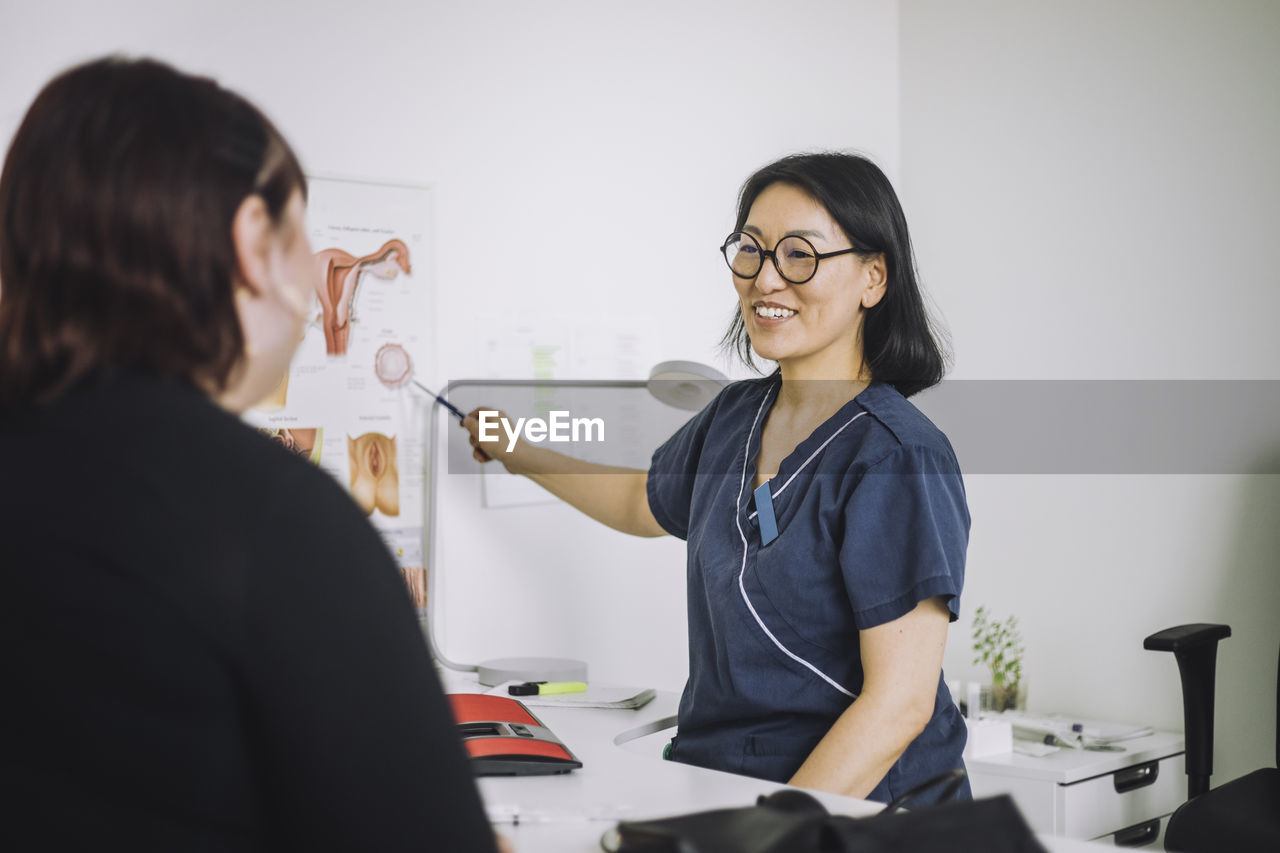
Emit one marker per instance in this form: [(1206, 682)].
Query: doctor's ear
[(876, 280), (251, 234)]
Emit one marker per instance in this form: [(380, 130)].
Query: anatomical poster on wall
[(348, 403)]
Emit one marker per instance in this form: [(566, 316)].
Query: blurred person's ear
[(251, 234), (274, 271)]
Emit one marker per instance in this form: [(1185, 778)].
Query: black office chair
[(1243, 814)]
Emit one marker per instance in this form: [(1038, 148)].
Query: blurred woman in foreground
[(207, 646)]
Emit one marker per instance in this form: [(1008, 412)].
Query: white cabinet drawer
[(1073, 792), (1111, 802), (1034, 798), (1148, 835)]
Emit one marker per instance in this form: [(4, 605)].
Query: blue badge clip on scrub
[(764, 508)]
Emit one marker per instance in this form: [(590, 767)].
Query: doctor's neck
[(806, 388)]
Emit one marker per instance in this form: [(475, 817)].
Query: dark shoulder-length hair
[(116, 205), (900, 344)]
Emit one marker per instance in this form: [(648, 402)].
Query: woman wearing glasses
[(825, 515)]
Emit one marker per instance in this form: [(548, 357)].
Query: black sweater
[(206, 646)]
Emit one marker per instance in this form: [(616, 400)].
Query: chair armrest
[(1186, 637), (1195, 648)]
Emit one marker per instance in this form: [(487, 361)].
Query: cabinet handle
[(1138, 776), (1140, 835)]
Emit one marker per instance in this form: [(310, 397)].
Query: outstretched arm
[(617, 497)]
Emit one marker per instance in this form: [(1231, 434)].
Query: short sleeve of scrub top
[(905, 536), (670, 486), (872, 519)]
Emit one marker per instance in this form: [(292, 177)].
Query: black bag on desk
[(791, 821)]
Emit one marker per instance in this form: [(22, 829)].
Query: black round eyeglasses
[(794, 257)]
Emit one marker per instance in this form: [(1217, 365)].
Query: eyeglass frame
[(772, 255)]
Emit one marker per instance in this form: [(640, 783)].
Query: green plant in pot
[(998, 644)]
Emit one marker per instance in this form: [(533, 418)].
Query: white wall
[(558, 136), (1094, 193)]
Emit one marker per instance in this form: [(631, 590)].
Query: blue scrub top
[(871, 519)]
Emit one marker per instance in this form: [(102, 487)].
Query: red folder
[(504, 738)]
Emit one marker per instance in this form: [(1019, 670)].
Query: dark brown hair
[(116, 205)]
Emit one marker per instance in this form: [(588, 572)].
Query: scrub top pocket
[(776, 757)]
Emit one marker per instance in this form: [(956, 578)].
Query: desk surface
[(568, 813), (1067, 766)]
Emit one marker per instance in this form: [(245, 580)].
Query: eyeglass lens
[(795, 257)]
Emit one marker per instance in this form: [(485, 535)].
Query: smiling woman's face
[(811, 328)]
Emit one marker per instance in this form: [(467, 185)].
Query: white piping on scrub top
[(737, 519), (807, 461)]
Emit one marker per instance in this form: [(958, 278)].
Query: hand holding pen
[(500, 444)]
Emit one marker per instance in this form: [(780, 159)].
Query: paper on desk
[(596, 696), (1083, 732), (1033, 748)]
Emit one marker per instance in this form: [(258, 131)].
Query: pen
[(527, 818), (515, 816), (450, 406), (547, 688)]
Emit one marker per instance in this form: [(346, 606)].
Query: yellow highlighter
[(547, 688)]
